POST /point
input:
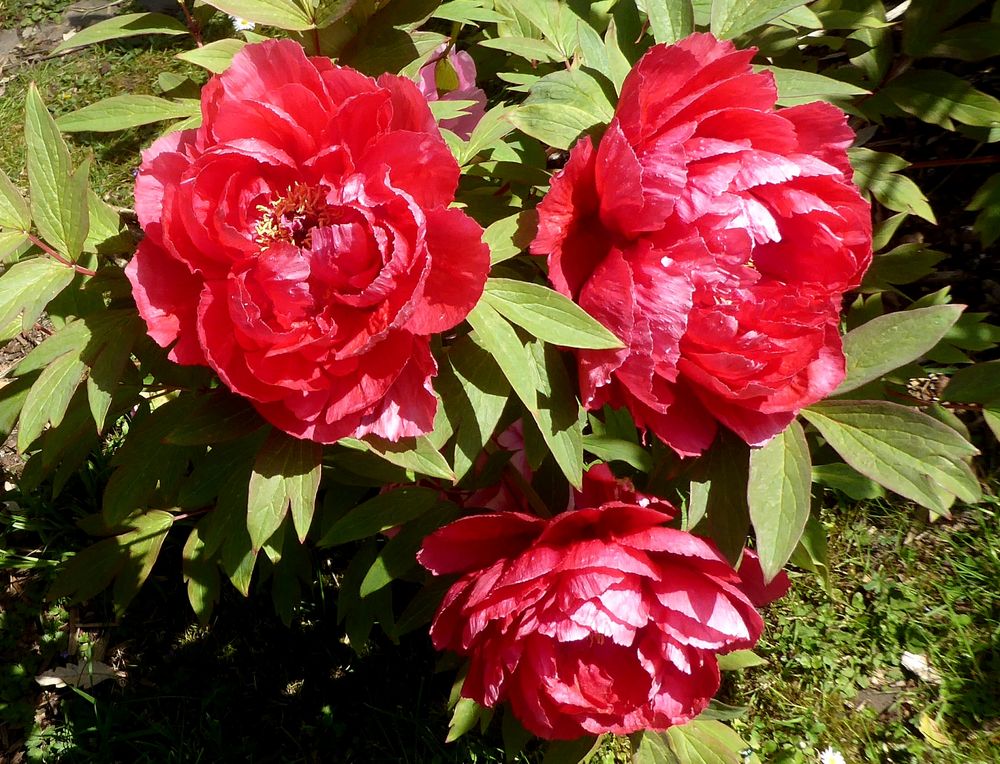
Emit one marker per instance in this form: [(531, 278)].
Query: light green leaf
[(25, 289), (525, 47), (540, 381), (593, 51), (942, 99), (702, 741), (493, 126), (105, 232), (546, 314), (900, 448), (416, 454), (283, 14), (617, 450), (731, 18), (11, 243), (201, 575), (58, 195), (561, 106), (888, 342), (847, 480), (49, 397), (992, 417), (129, 25), (670, 20), (121, 112), (286, 473), (798, 87), (216, 56), (442, 109), (465, 11), (464, 718), (875, 172), (510, 236), (739, 660), (14, 214), (385, 511), (778, 495)]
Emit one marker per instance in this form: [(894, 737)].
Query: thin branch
[(59, 258)]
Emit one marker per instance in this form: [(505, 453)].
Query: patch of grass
[(83, 78), (24, 13), (835, 676)]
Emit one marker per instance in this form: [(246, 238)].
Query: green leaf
[(900, 448), (416, 454), (875, 172), (942, 99), (216, 56), (670, 20), (561, 106), (731, 18), (493, 126), (11, 245), (14, 212), (546, 314), (385, 511), (121, 112), (465, 11), (106, 234), (969, 42), (539, 378), (473, 394), (577, 751), (811, 553), (129, 25), (719, 494), (615, 449), (217, 417), (987, 201), (797, 87), (283, 14), (974, 384), (702, 741), (398, 556), (510, 236), (201, 575), (992, 417), (739, 660), (902, 265), (778, 495), (525, 47), (49, 397), (847, 480), (25, 289), (888, 342), (58, 195), (107, 366), (286, 473), (465, 716)]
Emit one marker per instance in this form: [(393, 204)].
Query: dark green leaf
[(847, 480), (942, 99), (577, 751), (778, 494), (974, 384), (216, 417), (49, 397), (987, 201), (719, 494), (615, 449), (201, 575), (385, 511), (875, 171), (903, 265)]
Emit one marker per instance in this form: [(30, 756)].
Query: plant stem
[(992, 159), (192, 25), (59, 258)]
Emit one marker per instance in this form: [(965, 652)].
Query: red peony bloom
[(599, 620), (300, 243), (715, 236)]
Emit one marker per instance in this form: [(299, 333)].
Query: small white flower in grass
[(242, 25), (831, 756)]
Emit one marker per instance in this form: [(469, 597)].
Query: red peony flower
[(715, 236), (300, 243), (599, 620)]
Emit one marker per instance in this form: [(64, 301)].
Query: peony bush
[(558, 321)]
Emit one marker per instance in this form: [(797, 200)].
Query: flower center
[(291, 218)]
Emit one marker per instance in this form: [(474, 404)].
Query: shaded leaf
[(286, 474), (385, 511)]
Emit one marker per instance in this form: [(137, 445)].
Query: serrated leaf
[(58, 194), (888, 342), (548, 315), (385, 511), (562, 106), (797, 87), (14, 212), (215, 56), (49, 397), (778, 495), (121, 112), (670, 20), (731, 18), (900, 448), (285, 477), (283, 14), (129, 25)]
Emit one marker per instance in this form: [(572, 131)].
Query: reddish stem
[(993, 159), (59, 258), (192, 25)]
